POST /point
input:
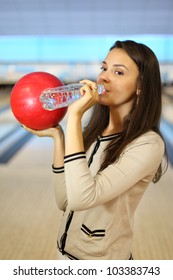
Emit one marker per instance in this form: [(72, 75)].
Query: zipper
[(64, 236), (94, 151)]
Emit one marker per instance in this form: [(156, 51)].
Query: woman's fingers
[(49, 132), (90, 83)]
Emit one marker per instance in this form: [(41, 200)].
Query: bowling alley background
[(69, 39)]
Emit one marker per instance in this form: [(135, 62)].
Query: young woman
[(102, 172)]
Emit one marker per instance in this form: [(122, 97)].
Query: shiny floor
[(29, 217)]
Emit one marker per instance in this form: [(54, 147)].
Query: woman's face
[(119, 75)]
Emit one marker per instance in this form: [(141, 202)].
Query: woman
[(102, 173)]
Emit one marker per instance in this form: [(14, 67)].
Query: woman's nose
[(104, 76)]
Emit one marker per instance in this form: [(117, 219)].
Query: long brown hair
[(143, 117)]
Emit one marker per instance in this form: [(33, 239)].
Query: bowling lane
[(12, 136)]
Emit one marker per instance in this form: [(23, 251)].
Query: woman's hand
[(53, 132), (89, 95)]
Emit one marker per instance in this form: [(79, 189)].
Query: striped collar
[(108, 137)]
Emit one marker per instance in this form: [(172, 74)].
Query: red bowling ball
[(26, 105)]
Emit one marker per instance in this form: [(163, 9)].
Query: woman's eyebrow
[(117, 65), (121, 65)]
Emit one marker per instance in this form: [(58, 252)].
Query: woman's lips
[(105, 91)]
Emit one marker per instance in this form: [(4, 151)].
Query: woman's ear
[(138, 93)]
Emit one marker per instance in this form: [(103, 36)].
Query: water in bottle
[(63, 96)]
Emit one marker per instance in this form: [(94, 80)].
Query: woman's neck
[(114, 126), (116, 119)]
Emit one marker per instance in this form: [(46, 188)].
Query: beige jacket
[(99, 207)]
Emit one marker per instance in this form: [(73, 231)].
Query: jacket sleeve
[(60, 187), (138, 163)]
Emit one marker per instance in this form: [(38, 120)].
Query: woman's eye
[(103, 68), (119, 73)]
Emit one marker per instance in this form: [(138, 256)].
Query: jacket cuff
[(74, 156), (57, 169)]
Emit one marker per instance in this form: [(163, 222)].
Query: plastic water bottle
[(63, 96)]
